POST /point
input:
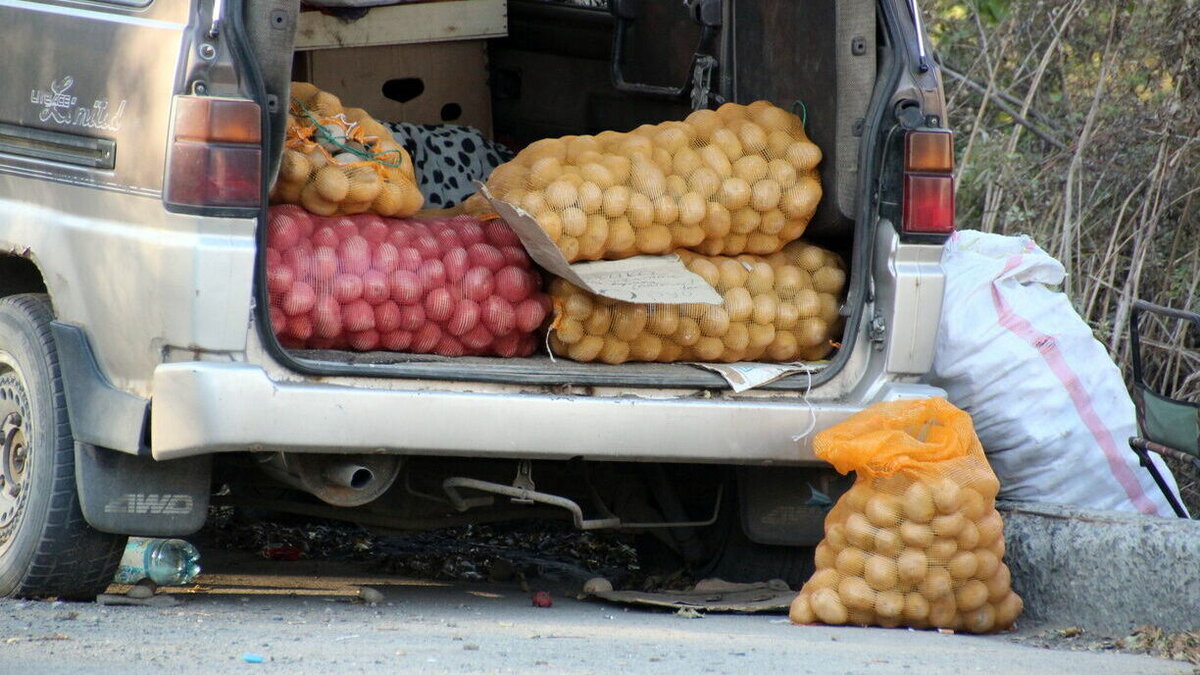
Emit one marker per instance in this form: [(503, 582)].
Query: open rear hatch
[(565, 69)]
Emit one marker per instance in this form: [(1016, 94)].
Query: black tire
[(47, 549)]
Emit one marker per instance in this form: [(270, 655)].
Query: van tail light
[(215, 158), (928, 182)]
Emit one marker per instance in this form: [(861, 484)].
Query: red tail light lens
[(215, 158), (928, 182), (928, 204)]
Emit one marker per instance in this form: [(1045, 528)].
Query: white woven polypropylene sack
[(1048, 403)]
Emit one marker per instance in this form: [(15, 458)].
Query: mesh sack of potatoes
[(781, 307), (341, 161), (917, 540), (740, 179), (447, 286)]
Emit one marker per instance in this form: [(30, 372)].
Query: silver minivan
[(140, 380)]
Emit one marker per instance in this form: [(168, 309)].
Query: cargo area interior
[(551, 73)]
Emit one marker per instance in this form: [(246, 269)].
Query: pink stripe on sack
[(1048, 348)]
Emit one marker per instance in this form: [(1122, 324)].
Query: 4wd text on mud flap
[(156, 504)]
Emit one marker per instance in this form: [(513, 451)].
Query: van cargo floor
[(535, 370)]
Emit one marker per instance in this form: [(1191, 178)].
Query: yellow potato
[(783, 349), (692, 209), (789, 281), (734, 193), (772, 223), (615, 351), (640, 211), (880, 572), (578, 306), (917, 500), (705, 269), (835, 536), (991, 528), (800, 612), (590, 197), (739, 304), (799, 201), (1007, 610), (703, 123), (943, 613), (826, 578), (851, 561), (745, 220), (561, 194), (672, 138), (587, 349), (972, 595), (824, 556), (569, 331), (883, 511), (597, 174), (664, 320), (733, 273), (728, 143), (828, 607), (829, 280), (948, 525), (941, 550), (782, 173), (962, 565), (974, 505), (968, 537), (737, 339), (708, 349), (857, 496), (765, 195), (313, 202), (761, 336), (645, 347), (629, 321), (654, 240), (599, 322), (647, 178), (685, 161), (294, 167), (888, 543), (936, 585), (947, 496), (618, 166), (543, 172), (786, 318), (763, 313), (999, 585), (812, 332), (856, 594), (331, 184), (979, 621), (802, 155), (574, 222), (621, 237), (715, 322), (688, 332), (717, 222), (916, 610), (889, 605), (912, 566), (916, 535), (666, 210), (750, 168), (986, 564)]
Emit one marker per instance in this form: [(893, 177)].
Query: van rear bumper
[(200, 408)]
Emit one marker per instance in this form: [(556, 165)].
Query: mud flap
[(128, 494)]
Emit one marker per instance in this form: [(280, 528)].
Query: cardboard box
[(434, 83)]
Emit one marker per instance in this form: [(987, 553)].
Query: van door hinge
[(878, 329)]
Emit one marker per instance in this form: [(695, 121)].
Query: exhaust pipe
[(339, 480)]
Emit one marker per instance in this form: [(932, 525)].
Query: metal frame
[(1142, 447)]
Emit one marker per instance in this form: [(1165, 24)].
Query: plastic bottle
[(166, 562)]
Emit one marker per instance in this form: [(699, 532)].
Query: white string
[(549, 351), (812, 410)]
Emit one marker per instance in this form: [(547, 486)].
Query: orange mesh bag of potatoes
[(783, 307), (740, 179), (917, 540), (341, 161)]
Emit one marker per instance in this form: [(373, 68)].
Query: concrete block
[(1103, 570)]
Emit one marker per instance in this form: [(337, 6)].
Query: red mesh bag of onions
[(448, 286)]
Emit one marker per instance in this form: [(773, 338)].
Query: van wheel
[(46, 547)]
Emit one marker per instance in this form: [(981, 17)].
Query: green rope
[(803, 114), (328, 138)]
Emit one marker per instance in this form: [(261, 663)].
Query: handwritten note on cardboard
[(642, 279)]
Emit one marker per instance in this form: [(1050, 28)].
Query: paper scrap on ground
[(744, 375), (642, 279)]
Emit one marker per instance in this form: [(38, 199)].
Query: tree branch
[(998, 99)]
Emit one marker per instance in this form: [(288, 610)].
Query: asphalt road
[(305, 617)]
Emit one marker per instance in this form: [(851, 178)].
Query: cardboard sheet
[(641, 279), (747, 375)]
